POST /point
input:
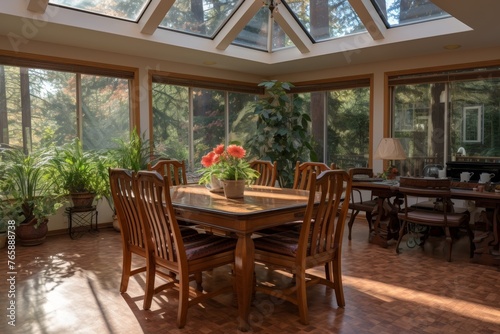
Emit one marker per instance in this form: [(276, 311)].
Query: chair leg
[(150, 285), (401, 234), (127, 263), (302, 297), (449, 241), (351, 222), (337, 282), (183, 300)]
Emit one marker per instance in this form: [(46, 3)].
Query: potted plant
[(282, 128), (229, 166), (28, 194), (80, 174), (133, 154)]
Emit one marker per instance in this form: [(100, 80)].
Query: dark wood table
[(261, 207), (486, 242)]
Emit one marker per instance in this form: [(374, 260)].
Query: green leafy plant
[(133, 154), (76, 170), (227, 164), (282, 130), (28, 187)]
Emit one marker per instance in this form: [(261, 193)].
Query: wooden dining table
[(260, 208), (387, 193)]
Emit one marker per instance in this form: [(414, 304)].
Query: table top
[(256, 200), (466, 193)]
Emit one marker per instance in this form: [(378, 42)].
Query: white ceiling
[(475, 24)]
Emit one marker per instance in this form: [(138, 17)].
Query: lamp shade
[(390, 149)]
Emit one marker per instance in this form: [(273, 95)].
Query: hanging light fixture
[(272, 5)]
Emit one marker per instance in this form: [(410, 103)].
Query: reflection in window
[(446, 116)]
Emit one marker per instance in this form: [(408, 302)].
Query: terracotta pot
[(30, 235), (234, 188), (116, 223)]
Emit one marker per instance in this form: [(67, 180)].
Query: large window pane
[(348, 126), (171, 121), (105, 110), (242, 121), (209, 124)]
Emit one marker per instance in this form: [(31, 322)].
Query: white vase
[(215, 183), (234, 188)]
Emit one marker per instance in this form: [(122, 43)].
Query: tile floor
[(71, 286)]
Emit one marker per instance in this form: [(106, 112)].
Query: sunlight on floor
[(390, 292)]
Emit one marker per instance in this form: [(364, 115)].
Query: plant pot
[(82, 200), (234, 188), (31, 235), (3, 239)]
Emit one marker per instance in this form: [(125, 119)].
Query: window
[(437, 115), (188, 121), (43, 105)]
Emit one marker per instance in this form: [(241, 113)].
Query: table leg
[(375, 236), (243, 269)]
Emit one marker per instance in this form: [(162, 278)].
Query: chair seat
[(291, 226), (365, 206), (201, 245), (282, 243), (434, 218)]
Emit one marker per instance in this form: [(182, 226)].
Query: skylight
[(400, 12), (128, 10)]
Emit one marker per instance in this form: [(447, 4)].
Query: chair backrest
[(268, 172), (323, 226), (304, 171), (438, 189), (173, 170), (121, 184), (360, 172), (158, 219)]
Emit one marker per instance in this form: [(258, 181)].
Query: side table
[(81, 220)]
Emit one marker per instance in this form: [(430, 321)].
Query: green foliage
[(28, 187), (132, 154), (282, 130), (75, 170)]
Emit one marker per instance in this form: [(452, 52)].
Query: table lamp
[(390, 149)]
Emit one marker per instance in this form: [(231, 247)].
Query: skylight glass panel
[(401, 12), (130, 10), (255, 34), (326, 19), (202, 18)]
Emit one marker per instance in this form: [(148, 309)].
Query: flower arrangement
[(390, 173), (227, 164)]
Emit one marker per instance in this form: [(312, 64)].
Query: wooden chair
[(304, 170), (439, 190), (268, 172), (128, 217), (167, 250), (174, 169), (318, 243), (359, 203), (302, 179)]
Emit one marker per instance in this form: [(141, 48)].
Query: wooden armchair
[(173, 170), (439, 190), (319, 243), (167, 250), (268, 172), (359, 203)]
